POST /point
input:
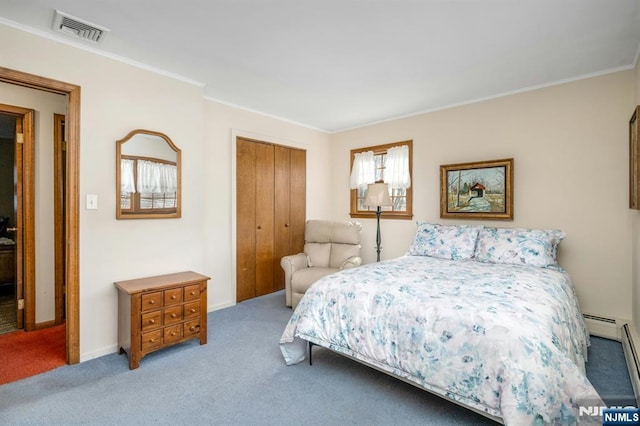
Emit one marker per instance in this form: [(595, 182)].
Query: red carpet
[(25, 354)]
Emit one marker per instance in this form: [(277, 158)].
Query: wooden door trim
[(28, 223), (58, 215), (71, 219)]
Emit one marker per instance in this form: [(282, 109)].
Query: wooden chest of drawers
[(156, 312)]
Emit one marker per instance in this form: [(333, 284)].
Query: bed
[(481, 316)]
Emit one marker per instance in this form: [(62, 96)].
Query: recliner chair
[(329, 246)]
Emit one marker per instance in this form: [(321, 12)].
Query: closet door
[(290, 206), (282, 211), (298, 200), (245, 219), (265, 193), (271, 213)]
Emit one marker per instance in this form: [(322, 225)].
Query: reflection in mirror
[(147, 176)]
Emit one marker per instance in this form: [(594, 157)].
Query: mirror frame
[(125, 215)]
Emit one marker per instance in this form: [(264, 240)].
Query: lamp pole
[(378, 196), (378, 238)]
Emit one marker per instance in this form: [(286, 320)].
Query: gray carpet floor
[(239, 378)]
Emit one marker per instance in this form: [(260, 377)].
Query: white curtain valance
[(127, 181), (156, 177), (396, 172), (364, 170)]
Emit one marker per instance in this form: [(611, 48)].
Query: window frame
[(135, 197), (385, 212)]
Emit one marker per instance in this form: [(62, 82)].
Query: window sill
[(384, 215)]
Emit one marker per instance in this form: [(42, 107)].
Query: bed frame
[(475, 410)]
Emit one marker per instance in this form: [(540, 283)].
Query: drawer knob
[(152, 321), (173, 297), (173, 315), (173, 333), (193, 310), (193, 293), (151, 302), (151, 340), (193, 328)]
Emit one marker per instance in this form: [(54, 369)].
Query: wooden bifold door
[(271, 213)]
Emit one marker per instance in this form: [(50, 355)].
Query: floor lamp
[(378, 196)]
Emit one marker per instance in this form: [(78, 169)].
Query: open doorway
[(71, 203), (27, 303), (16, 208), (9, 313)]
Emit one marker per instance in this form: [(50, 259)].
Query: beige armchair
[(328, 247)]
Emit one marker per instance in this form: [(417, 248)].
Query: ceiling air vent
[(74, 27)]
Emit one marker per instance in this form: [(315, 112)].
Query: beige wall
[(569, 143), (45, 105)]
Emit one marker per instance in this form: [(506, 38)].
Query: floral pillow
[(536, 247), (453, 242)]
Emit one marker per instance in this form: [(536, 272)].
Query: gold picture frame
[(478, 190), (634, 154)]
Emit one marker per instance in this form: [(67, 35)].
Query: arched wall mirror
[(148, 178)]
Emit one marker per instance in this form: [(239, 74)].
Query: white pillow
[(453, 242), (536, 247)]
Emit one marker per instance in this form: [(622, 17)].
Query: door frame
[(24, 215), (71, 216), (59, 172)]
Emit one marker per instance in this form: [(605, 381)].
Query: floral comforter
[(507, 340)]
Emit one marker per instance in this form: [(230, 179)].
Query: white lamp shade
[(378, 195)]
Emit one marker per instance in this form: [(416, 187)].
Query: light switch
[(92, 201)]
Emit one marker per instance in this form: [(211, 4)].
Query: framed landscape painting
[(479, 190)]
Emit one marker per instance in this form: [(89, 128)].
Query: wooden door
[(245, 219), (290, 206), (281, 213), (270, 210), (298, 200), (264, 218)]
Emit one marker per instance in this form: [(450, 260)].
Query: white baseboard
[(99, 352), (215, 306), (630, 345), (609, 328)]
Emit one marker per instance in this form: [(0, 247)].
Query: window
[(401, 198), (147, 185)]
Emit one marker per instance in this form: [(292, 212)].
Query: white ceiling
[(334, 65)]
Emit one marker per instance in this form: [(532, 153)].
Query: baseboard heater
[(617, 329), (633, 363), (609, 328)]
